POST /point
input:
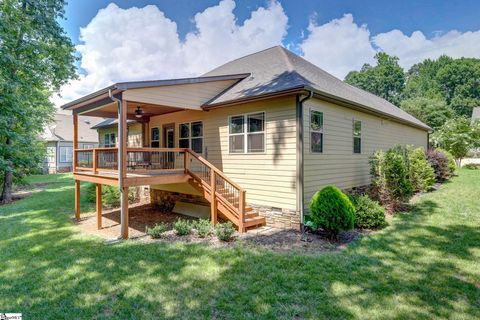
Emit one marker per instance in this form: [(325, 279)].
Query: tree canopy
[(36, 58), (386, 79), (432, 90)]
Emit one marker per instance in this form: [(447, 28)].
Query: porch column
[(77, 199), (98, 190), (122, 166), (75, 142), (74, 165)]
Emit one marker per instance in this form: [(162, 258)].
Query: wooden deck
[(133, 179)]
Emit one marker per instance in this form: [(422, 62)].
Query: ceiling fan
[(139, 112)]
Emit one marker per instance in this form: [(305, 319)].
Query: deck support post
[(213, 197), (241, 208), (77, 200), (98, 190), (122, 165), (75, 142)]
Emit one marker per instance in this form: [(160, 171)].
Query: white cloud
[(142, 43), (340, 45), (417, 47)]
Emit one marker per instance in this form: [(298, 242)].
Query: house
[(59, 138), (253, 139)]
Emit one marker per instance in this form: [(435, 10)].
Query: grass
[(425, 265)]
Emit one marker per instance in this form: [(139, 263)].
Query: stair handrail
[(216, 171)]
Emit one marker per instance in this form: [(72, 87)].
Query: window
[(66, 154), (155, 138), (87, 146), (247, 133), (316, 131), (357, 136), (191, 136), (109, 141)]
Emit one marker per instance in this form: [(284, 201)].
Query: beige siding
[(338, 164), (134, 138), (186, 96), (269, 178)]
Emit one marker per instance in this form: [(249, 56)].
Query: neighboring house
[(253, 138), (59, 137), (475, 152), (108, 133)]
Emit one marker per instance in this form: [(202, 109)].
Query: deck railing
[(223, 191)]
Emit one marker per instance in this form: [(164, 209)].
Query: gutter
[(300, 155)]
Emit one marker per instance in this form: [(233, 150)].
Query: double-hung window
[(191, 136), (109, 140), (316, 131), (247, 133), (66, 154), (155, 138), (357, 136)]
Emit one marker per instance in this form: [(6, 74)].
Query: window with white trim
[(247, 133), (357, 136), (66, 154), (109, 140), (155, 138), (87, 146), (316, 131), (191, 136)]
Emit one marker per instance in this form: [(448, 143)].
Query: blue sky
[(126, 40), (428, 16)]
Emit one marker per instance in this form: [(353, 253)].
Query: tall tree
[(432, 111), (457, 81), (36, 58), (386, 79)]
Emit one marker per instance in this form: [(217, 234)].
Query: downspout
[(300, 155), (120, 138)]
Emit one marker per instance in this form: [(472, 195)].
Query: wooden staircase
[(225, 196)]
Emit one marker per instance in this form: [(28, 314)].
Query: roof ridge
[(289, 64)]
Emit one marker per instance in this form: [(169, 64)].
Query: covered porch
[(124, 166)]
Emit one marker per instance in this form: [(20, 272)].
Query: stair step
[(254, 221), (251, 215)]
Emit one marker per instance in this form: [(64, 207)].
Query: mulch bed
[(274, 239)]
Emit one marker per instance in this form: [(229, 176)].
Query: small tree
[(458, 136), (332, 210), (422, 175)]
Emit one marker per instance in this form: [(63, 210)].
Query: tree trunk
[(7, 182)]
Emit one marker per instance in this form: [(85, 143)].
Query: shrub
[(390, 176), (332, 211), (422, 176), (452, 165), (472, 166), (225, 231), (157, 230), (439, 162), (204, 227), (182, 227), (368, 213), (110, 195)]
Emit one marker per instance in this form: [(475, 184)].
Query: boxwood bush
[(225, 231), (157, 231), (369, 214), (203, 227), (331, 210), (182, 227)]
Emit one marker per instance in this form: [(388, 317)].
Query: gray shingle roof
[(109, 122), (277, 69), (62, 129)]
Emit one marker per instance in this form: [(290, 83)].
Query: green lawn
[(425, 265)]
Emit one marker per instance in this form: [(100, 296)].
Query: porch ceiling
[(109, 110)]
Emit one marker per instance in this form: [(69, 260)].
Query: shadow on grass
[(408, 270)]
